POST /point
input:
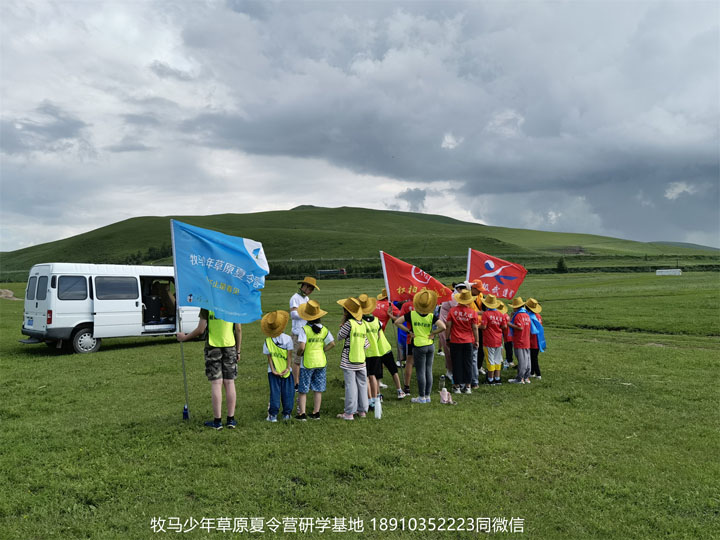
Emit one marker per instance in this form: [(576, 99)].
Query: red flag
[(501, 278), (403, 280)]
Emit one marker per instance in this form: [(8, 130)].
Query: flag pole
[(467, 273), (178, 320)]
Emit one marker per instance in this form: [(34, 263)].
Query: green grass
[(422, 238), (619, 439)]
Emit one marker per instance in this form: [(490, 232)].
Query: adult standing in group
[(476, 288), (307, 286), (222, 351), (537, 336), (422, 326), (462, 333)]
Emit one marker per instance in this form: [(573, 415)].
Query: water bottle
[(378, 408), (186, 413)]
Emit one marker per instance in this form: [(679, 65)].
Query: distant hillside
[(333, 237)]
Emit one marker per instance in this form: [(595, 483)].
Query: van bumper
[(50, 334)]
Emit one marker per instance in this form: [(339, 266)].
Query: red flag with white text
[(501, 278), (403, 280)]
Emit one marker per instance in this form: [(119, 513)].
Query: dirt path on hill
[(7, 294)]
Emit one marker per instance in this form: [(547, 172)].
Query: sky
[(583, 116)]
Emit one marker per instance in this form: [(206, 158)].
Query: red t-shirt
[(492, 335), (462, 317), (533, 337), (521, 338), (381, 312)]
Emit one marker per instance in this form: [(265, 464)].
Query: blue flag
[(221, 273)]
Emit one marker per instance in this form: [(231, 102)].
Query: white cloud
[(451, 142), (675, 189)]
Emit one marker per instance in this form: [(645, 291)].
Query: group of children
[(472, 326)]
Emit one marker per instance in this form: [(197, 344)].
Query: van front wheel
[(84, 342)]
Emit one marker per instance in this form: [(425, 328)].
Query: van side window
[(116, 288), (72, 288), (31, 288), (42, 288)]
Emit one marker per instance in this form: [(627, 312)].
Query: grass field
[(620, 439)]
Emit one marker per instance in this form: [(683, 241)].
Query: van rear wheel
[(83, 341)]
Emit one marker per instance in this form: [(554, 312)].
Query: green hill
[(307, 238)]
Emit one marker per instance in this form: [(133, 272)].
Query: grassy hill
[(306, 238)]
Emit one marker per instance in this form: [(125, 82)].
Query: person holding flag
[(422, 325), (222, 350)]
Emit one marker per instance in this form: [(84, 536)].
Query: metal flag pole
[(178, 321)]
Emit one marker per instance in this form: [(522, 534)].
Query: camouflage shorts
[(220, 363)]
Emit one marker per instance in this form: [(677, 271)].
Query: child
[(520, 324), (314, 340), (462, 333), (352, 359), (277, 347), (507, 340), (424, 326), (537, 336), (492, 323)]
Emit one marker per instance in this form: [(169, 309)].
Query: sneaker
[(362, 414), (497, 383), (271, 418), (371, 406), (231, 424), (527, 381), (406, 389), (475, 386), (382, 384), (426, 400), (457, 391), (380, 397), (401, 394), (287, 417), (213, 425), (302, 417), (467, 390), (533, 376), (418, 400), (346, 416), (440, 353), (515, 381), (539, 378), (505, 364), (315, 416), (483, 371), (449, 376)]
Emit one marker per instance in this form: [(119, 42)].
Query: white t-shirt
[(302, 338), (297, 321), (283, 341)]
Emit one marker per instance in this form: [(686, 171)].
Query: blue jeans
[(281, 389), (423, 357)]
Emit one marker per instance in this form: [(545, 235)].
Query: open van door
[(117, 306), (36, 299)]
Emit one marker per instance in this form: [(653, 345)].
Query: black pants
[(462, 357), (509, 352), (534, 366)]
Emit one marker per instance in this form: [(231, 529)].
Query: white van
[(76, 305)]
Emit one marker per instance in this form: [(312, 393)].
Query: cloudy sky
[(581, 116)]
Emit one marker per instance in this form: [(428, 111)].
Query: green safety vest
[(220, 333), (315, 343), (379, 346), (279, 357), (358, 333), (421, 327)]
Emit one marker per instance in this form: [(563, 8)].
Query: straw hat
[(310, 311), (425, 301), (517, 302), (273, 324), (352, 305), (464, 297), (502, 308), (533, 305), (382, 295), (491, 301), (367, 303), (310, 281)]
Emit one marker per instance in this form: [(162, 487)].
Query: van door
[(37, 299), (117, 308)]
